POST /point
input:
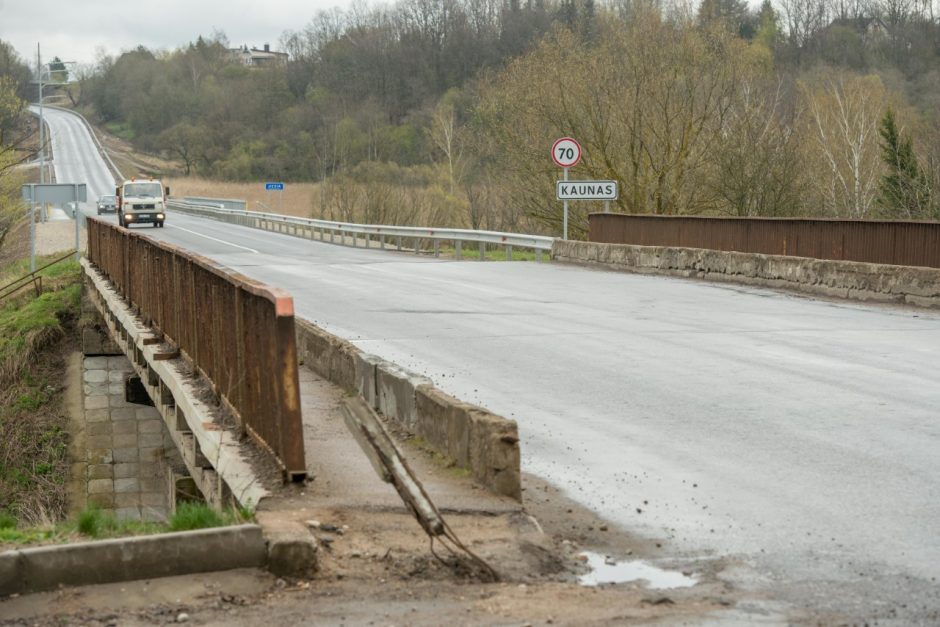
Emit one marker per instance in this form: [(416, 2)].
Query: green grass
[(33, 320), (33, 422), (122, 130), (27, 321), (96, 524), (20, 267), (191, 516)]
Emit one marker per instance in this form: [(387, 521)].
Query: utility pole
[(42, 132)]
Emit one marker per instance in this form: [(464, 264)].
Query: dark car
[(107, 204)]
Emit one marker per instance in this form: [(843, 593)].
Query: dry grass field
[(296, 199)]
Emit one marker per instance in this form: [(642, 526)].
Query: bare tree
[(844, 113)]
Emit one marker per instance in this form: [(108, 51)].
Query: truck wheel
[(160, 225)]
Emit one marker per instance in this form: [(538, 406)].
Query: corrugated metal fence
[(899, 243), (238, 333)]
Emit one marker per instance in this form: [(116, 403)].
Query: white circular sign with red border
[(566, 152)]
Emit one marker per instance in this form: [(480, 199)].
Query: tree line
[(15, 133)]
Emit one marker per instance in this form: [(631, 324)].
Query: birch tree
[(844, 112)]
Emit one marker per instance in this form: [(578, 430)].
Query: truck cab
[(141, 201)]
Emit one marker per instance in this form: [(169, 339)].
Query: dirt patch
[(131, 162)]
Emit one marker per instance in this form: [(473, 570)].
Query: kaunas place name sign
[(586, 190), (566, 153)]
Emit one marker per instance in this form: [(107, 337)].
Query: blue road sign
[(274, 186)]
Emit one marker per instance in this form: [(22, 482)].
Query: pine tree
[(904, 191)]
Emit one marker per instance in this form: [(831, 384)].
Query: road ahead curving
[(76, 158), (798, 438)]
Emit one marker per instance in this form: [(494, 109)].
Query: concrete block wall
[(126, 446), (842, 279), (474, 438)]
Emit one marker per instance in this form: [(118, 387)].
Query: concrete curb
[(473, 438), (842, 279), (125, 559)]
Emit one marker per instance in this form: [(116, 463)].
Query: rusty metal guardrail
[(238, 333), (906, 243)]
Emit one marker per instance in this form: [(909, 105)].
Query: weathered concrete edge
[(126, 559), (472, 437), (841, 279)]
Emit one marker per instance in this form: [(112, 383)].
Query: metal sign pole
[(32, 229), (42, 131), (565, 228)]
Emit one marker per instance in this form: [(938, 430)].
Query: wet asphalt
[(797, 437)]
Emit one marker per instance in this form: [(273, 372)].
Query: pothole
[(606, 570)]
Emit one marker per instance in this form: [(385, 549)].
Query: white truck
[(141, 201)]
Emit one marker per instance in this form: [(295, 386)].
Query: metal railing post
[(482, 251), (457, 249)]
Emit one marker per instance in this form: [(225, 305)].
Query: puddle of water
[(606, 571)]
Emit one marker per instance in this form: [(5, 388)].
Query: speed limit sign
[(566, 152)]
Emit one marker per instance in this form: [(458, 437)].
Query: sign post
[(277, 187), (566, 153)]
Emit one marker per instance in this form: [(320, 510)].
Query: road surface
[(800, 437)]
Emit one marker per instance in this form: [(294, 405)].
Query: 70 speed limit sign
[(566, 152)]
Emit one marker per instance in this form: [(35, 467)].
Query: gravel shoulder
[(57, 236)]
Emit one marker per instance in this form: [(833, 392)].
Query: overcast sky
[(73, 29)]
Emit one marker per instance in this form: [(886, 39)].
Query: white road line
[(221, 241)]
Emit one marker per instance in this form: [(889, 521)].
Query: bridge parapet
[(236, 332)]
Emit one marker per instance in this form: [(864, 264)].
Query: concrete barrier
[(476, 439), (366, 365), (843, 279), (125, 559), (395, 393), (332, 358), (473, 438)]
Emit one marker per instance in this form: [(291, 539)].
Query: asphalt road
[(799, 437), (75, 157)]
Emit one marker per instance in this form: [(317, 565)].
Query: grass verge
[(35, 334), (96, 524)]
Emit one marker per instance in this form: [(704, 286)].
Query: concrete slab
[(46, 568), (345, 478)]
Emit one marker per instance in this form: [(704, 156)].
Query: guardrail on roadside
[(235, 331), (343, 232)]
